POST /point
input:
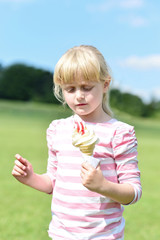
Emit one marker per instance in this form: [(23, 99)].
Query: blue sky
[(38, 32)]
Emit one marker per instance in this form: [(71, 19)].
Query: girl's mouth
[(81, 104)]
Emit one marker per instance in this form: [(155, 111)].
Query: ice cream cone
[(84, 138), (88, 150)]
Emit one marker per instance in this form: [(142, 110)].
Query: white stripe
[(76, 173), (68, 172), (82, 200), (103, 149), (107, 160), (70, 186), (110, 173), (124, 148), (70, 159), (79, 160), (126, 161), (128, 171)]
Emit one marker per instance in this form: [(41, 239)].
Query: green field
[(25, 213)]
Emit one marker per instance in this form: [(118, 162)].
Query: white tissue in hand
[(91, 160)]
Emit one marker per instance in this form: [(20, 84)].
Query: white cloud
[(128, 16), (112, 4), (144, 63), (133, 20), (131, 3), (138, 21)]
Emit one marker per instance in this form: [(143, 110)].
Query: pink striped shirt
[(78, 213)]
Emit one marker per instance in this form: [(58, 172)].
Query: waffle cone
[(88, 150)]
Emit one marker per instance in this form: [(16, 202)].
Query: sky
[(127, 33)]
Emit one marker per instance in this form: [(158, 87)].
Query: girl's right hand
[(22, 169)]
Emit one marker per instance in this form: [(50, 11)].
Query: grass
[(25, 213)]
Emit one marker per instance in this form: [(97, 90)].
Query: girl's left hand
[(92, 178)]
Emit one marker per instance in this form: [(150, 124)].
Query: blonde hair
[(85, 61)]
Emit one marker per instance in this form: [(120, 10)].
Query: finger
[(81, 174), (84, 171), (86, 165), (17, 156), (18, 171), (15, 174), (98, 167), (21, 159), (20, 165)]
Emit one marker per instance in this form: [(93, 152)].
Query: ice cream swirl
[(84, 138)]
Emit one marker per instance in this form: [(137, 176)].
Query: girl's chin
[(83, 114), (81, 111)]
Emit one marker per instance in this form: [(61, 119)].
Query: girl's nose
[(79, 94)]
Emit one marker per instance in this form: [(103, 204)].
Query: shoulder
[(120, 127), (116, 127), (57, 129), (62, 123), (123, 132)]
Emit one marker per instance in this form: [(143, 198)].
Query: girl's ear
[(106, 84)]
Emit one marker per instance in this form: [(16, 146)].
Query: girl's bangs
[(77, 69)]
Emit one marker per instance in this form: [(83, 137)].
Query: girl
[(87, 202)]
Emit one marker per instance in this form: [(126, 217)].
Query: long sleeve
[(125, 154)]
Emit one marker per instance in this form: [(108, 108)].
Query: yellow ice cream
[(84, 138)]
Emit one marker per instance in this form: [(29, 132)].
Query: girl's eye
[(87, 88), (70, 89)]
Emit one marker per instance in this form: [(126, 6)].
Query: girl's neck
[(95, 119)]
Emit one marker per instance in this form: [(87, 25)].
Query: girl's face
[(85, 99)]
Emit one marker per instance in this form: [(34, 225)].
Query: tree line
[(27, 83)]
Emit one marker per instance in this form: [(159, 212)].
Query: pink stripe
[(87, 206), (69, 153), (126, 167), (106, 145), (122, 131), (94, 229), (129, 175), (52, 153), (126, 142), (123, 177), (103, 155), (112, 178), (126, 156), (89, 219), (80, 193), (106, 166)]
